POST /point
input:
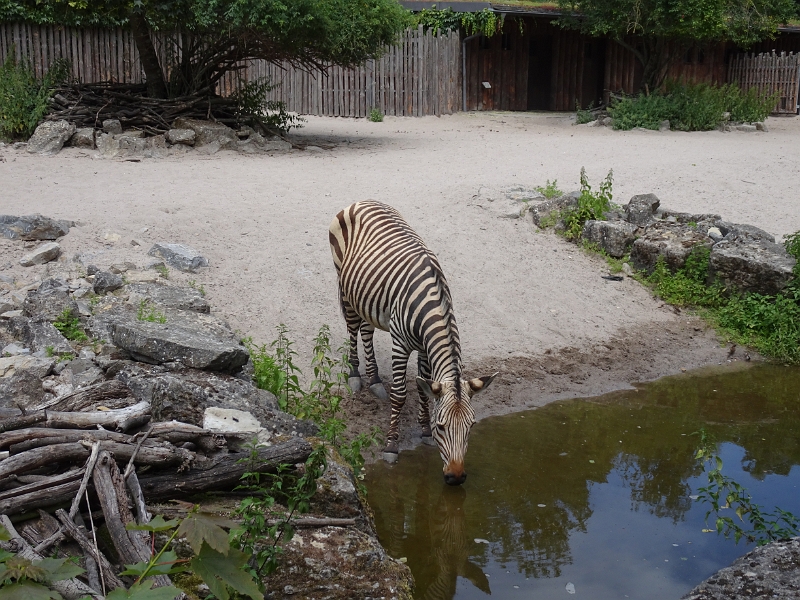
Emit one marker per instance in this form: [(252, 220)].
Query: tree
[(659, 31), (213, 37)]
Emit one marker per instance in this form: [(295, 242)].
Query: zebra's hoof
[(390, 457), (428, 439), (379, 391), (355, 384)]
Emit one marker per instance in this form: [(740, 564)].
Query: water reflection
[(576, 488)]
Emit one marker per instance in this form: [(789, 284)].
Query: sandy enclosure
[(528, 304)]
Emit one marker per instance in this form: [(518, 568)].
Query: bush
[(591, 206), (253, 108), (24, 100), (375, 115), (691, 107)]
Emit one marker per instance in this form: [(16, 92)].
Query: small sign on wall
[(487, 85)]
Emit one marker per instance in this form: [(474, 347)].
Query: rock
[(111, 237), (14, 350), (715, 234), (735, 230), (752, 265), (105, 281), (43, 254), (746, 127), (230, 419), (33, 227), (549, 209), (673, 243), (169, 296), (39, 334), (641, 208), (627, 270), (770, 571), (21, 380), (143, 276), (185, 395), (181, 136), (613, 237), (83, 138), (761, 126), (607, 121), (50, 137), (179, 256), (11, 314), (686, 218), (48, 302), (131, 144), (207, 132), (112, 126), (664, 125)]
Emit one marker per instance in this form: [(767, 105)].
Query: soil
[(528, 304)]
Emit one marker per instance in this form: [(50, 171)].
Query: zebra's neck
[(444, 357)]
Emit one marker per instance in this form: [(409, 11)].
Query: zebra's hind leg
[(424, 415), (398, 396), (373, 379), (353, 324)]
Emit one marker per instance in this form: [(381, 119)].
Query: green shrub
[(591, 206), (24, 100), (550, 190), (253, 108), (376, 115), (583, 116), (691, 107), (70, 326), (687, 286)]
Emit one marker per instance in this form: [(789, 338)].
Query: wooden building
[(537, 65)]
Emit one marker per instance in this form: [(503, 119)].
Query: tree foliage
[(657, 30), (212, 37)]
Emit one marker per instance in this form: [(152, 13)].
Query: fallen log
[(19, 436), (47, 492), (10, 423), (83, 398), (121, 418), (82, 539), (222, 472)]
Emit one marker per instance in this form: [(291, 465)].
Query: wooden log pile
[(88, 105), (101, 467)]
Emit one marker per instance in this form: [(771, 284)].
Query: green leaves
[(200, 527), (222, 570), (144, 591), (156, 524), (27, 590)]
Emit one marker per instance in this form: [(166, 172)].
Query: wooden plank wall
[(769, 73), (502, 62), (419, 76)]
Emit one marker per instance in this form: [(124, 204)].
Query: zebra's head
[(452, 418)]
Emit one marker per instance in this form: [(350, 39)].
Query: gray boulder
[(738, 230), (106, 282), (545, 211), (613, 237), (48, 301), (50, 137), (752, 265), (33, 227), (41, 255), (131, 144), (673, 243), (21, 380), (641, 209), (169, 296), (185, 394), (83, 138), (38, 333), (112, 126), (179, 256), (208, 132), (181, 136), (685, 218), (771, 571)]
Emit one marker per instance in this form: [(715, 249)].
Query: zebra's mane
[(450, 321)]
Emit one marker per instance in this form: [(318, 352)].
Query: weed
[(162, 270), (591, 206), (376, 115), (49, 352), (723, 493), (550, 189), (267, 373), (66, 357), (583, 116), (148, 312), (201, 290), (70, 326), (687, 286)]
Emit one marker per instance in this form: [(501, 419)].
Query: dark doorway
[(540, 72), (594, 67)]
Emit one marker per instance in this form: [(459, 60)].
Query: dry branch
[(90, 395), (11, 423), (49, 491), (82, 538), (121, 418)]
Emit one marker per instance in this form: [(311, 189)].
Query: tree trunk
[(156, 88)]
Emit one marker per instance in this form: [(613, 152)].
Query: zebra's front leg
[(373, 379), (353, 322), (398, 396), (424, 415)]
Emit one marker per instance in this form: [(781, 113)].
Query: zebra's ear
[(432, 389), (481, 383)]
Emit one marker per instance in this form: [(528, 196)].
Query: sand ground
[(528, 304)]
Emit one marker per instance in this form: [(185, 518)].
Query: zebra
[(389, 280)]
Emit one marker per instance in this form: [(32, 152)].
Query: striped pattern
[(389, 280)]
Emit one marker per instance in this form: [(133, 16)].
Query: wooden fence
[(419, 76), (769, 73)]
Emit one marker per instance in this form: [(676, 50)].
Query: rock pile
[(118, 368), (187, 135)]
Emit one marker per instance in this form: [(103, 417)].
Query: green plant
[(148, 312), (485, 22), (24, 579), (24, 100), (550, 189), (583, 116), (723, 493), (253, 108), (66, 357), (376, 115), (70, 326), (200, 288), (687, 286), (267, 515), (267, 373), (591, 206)]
